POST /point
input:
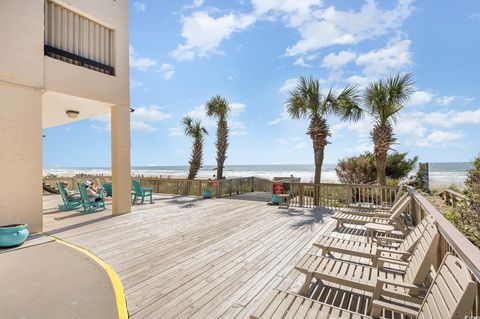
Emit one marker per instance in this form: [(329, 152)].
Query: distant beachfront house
[(60, 61)]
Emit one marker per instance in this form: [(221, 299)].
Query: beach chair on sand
[(411, 274), (141, 192), (88, 206), (450, 296), (385, 246), (69, 203), (393, 219)]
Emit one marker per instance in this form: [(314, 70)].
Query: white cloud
[(237, 108), (440, 138), (142, 126), (195, 4), (336, 61), (143, 118), (237, 128), (167, 70), (203, 33), (392, 58), (301, 62), (294, 13), (175, 131), (283, 117), (135, 84), (139, 6), (150, 113), (288, 85), (445, 100), (420, 98), (329, 26), (297, 142), (474, 15), (139, 63), (450, 118)]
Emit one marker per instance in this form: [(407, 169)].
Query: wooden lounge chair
[(69, 203), (88, 206), (384, 245), (363, 277), (394, 218), (141, 192), (450, 296), (377, 212)]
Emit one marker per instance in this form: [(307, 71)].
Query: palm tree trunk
[(196, 158), (319, 154), (381, 161), (382, 136), (319, 133), (222, 145)]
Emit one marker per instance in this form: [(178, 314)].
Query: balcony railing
[(76, 39)]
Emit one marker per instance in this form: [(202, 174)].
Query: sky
[(252, 52)]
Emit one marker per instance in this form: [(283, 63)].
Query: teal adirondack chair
[(89, 207), (69, 203), (108, 189), (140, 192)]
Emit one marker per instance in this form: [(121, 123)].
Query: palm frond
[(217, 106), (347, 105)]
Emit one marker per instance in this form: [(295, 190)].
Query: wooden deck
[(193, 258)]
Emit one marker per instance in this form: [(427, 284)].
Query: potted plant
[(207, 193), (13, 235)]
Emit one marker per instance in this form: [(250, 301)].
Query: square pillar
[(21, 194), (121, 176)]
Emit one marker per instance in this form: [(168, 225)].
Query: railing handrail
[(462, 246), (347, 185)]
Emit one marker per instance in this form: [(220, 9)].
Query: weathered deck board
[(189, 258)]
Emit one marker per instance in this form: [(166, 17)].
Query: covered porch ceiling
[(55, 106)]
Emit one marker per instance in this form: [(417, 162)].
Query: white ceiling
[(55, 106)]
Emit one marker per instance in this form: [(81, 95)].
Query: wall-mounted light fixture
[(72, 114), (132, 110)]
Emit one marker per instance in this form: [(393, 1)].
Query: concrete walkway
[(46, 279)]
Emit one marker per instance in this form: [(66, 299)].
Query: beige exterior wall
[(35, 87), (21, 157)]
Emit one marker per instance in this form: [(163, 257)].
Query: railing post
[(252, 183), (301, 194)]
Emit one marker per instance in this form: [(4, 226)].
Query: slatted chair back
[(423, 255), (83, 192), (137, 188), (400, 207), (413, 237), (398, 202), (63, 192), (452, 292)]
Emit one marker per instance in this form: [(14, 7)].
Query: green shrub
[(361, 169)]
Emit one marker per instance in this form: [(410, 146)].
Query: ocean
[(441, 174)]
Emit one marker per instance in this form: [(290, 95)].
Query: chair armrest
[(381, 261), (378, 305), (393, 251), (382, 239)]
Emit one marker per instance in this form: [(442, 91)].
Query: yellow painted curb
[(117, 284)]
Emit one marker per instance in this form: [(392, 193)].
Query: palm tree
[(308, 101), (218, 107), (194, 129), (383, 100)]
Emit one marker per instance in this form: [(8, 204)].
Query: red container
[(277, 188)]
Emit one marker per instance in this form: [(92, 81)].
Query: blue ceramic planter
[(207, 194), (275, 199), (13, 235)]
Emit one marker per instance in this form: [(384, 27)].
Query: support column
[(121, 176), (21, 157)]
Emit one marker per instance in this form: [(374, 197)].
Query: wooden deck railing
[(451, 198), (451, 240), (178, 186), (338, 195)]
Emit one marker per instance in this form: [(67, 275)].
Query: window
[(78, 40)]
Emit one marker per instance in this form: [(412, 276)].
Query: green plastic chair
[(69, 203), (108, 189), (141, 192), (88, 206)]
